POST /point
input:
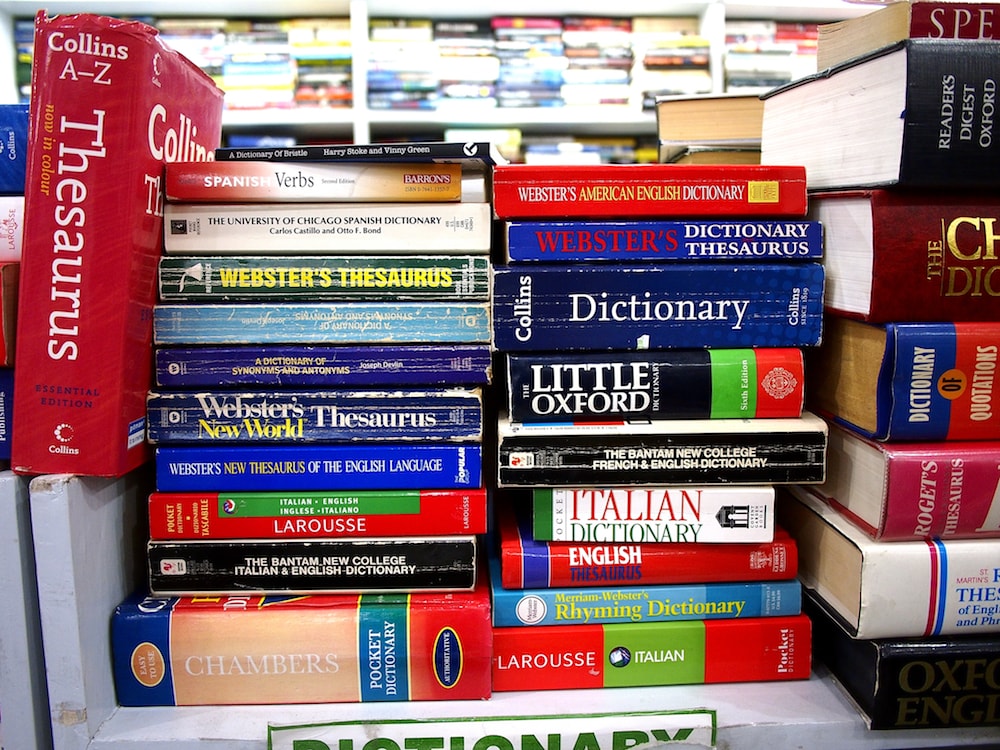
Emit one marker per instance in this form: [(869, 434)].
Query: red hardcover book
[(283, 515), (647, 190), (563, 657), (110, 105), (10, 274), (528, 563), (897, 255)]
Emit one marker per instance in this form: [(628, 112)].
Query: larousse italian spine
[(297, 566)]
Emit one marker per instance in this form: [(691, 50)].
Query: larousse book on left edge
[(110, 105)]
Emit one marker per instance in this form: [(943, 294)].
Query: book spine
[(314, 416), (283, 515), (327, 228), (657, 190), (638, 515), (296, 566), (99, 139), (954, 20), (576, 656), (675, 384), (390, 277), (312, 649), (14, 119), (330, 366), (255, 181), (319, 323), (246, 468), (628, 604), (944, 377), (640, 240), (649, 306), (477, 153)]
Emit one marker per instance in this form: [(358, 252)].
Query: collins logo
[(63, 432)]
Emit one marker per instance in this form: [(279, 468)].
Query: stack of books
[(652, 320), (318, 418), (670, 57), (763, 54), (469, 64), (532, 60), (321, 49), (898, 546), (403, 64), (598, 60)]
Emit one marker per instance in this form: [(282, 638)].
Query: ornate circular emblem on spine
[(779, 383)]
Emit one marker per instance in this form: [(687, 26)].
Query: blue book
[(656, 306), (733, 240), (6, 410), (649, 603), (306, 323), (343, 466), (329, 366), (13, 148), (313, 415)]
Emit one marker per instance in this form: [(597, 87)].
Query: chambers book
[(106, 118), (908, 381)]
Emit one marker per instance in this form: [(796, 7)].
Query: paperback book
[(344, 366), (326, 466), (675, 602), (314, 415), (662, 452), (668, 384), (14, 120), (472, 153), (337, 648), (311, 566), (657, 306), (283, 515), (631, 240)]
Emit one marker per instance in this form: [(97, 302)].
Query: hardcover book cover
[(664, 452), (282, 515), (565, 657), (447, 228), (653, 514), (915, 382), (667, 384), (631, 240), (303, 566), (321, 323), (96, 151), (292, 366), (313, 415), (647, 190), (526, 562), (573, 605), (657, 306), (337, 648), (283, 467), (322, 277)]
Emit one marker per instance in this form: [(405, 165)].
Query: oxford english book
[(311, 566), (279, 515), (664, 452), (526, 562), (899, 491), (667, 384), (325, 466), (557, 191), (447, 228), (314, 415), (370, 365), (926, 587), (908, 381), (630, 240), (921, 255), (656, 306), (250, 649), (323, 277), (672, 602), (109, 110)]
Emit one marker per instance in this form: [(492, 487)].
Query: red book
[(284, 515), (528, 563), (110, 105), (896, 255), (564, 657), (647, 190)]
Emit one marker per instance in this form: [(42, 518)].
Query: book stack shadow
[(899, 551), (651, 321), (321, 350)]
